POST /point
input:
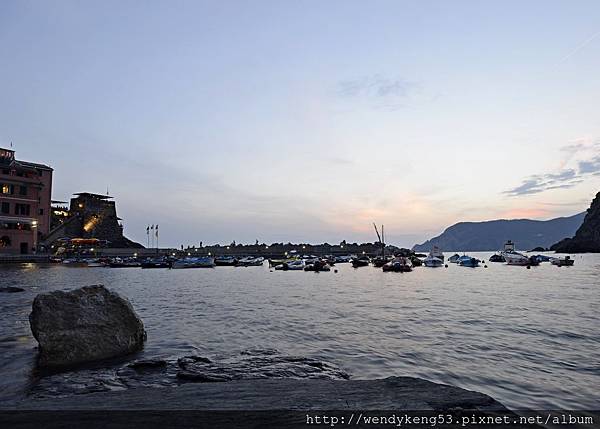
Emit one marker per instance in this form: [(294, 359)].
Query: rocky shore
[(587, 237)]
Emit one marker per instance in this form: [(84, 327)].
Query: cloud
[(539, 183), (382, 92), (590, 166)]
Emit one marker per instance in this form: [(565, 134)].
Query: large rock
[(587, 237), (84, 325)]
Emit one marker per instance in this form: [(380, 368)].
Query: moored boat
[(291, 265), (361, 261), (516, 258), (562, 262), (156, 263), (436, 252), (468, 261), (193, 262), (225, 261), (432, 261), (250, 261), (318, 266), (124, 263), (454, 258), (497, 257), (399, 264)]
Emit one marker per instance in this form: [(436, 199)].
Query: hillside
[(587, 237), (491, 235)]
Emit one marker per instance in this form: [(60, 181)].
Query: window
[(7, 189), (5, 208), (22, 209), (22, 190), (41, 212)]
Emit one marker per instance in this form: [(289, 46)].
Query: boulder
[(84, 325)]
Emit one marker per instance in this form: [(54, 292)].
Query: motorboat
[(380, 261), (468, 261), (399, 264), (124, 263), (454, 258), (225, 261), (250, 261), (362, 261), (291, 265), (95, 263), (516, 258), (562, 262), (156, 263), (343, 259), (543, 258), (194, 262), (497, 257), (433, 261), (317, 266), (436, 252)]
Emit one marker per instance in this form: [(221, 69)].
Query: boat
[(497, 257), (454, 258), (124, 263), (225, 261), (542, 258), (291, 265), (362, 261), (156, 263), (194, 262), (468, 261), (562, 262), (433, 261), (343, 259), (250, 261), (516, 258), (436, 252), (317, 266), (399, 264), (73, 262), (380, 261)]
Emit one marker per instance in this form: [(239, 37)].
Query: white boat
[(454, 258), (251, 261), (194, 263), (94, 263), (432, 261), (293, 265), (562, 262), (436, 252), (516, 258)]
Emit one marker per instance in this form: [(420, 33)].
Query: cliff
[(587, 237), (491, 235)]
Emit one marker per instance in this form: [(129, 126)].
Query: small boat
[(156, 263), (202, 262), (399, 264), (454, 258), (468, 261), (124, 263), (516, 258), (343, 259), (497, 257), (562, 262), (317, 267), (380, 261), (292, 265), (362, 261), (542, 258), (73, 262), (250, 261), (95, 263), (433, 261), (225, 261), (436, 252)]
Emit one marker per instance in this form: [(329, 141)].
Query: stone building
[(90, 216), (25, 192)]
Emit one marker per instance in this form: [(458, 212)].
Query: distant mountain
[(587, 237), (491, 235)]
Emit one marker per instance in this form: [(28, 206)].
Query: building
[(88, 216), (25, 199)]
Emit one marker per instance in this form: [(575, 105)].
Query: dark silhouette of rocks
[(84, 325), (587, 237)]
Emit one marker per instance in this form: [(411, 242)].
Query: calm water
[(529, 338)]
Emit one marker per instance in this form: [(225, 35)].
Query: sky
[(306, 121)]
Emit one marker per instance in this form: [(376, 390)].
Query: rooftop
[(96, 196)]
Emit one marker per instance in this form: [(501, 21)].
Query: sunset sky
[(307, 120)]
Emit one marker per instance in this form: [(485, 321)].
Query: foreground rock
[(84, 325), (587, 237), (393, 393)]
